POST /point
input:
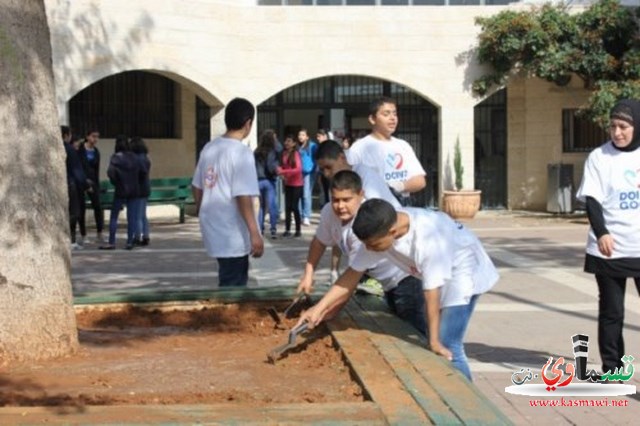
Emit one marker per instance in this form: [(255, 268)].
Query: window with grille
[(133, 103), (579, 134)]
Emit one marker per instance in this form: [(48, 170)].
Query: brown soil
[(212, 354)]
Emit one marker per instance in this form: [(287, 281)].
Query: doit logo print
[(561, 378), (395, 161)]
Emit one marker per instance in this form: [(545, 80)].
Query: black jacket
[(125, 174)]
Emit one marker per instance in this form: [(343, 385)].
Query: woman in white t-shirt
[(611, 190)]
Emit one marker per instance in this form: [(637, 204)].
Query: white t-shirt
[(225, 170), (394, 160), (442, 253), (331, 232), (612, 177), (373, 185)]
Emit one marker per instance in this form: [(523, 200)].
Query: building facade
[(165, 70)]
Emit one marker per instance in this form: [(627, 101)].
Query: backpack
[(306, 154)]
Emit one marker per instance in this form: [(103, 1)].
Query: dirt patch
[(212, 354)]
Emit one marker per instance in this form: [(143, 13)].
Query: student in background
[(291, 172), (393, 158)]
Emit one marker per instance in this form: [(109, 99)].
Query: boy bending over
[(454, 268), (403, 292)]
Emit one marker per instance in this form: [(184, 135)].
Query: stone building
[(164, 70)]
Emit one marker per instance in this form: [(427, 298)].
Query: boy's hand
[(313, 316), (257, 244), (305, 285), (439, 349)]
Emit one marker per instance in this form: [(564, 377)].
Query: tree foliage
[(600, 45)]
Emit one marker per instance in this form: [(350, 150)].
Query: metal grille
[(133, 103), (580, 134), (418, 118)]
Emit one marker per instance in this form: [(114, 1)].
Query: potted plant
[(460, 204)]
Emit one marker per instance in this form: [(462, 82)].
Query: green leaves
[(601, 46)]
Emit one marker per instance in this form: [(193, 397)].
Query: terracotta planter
[(461, 205)]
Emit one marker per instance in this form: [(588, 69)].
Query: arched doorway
[(340, 103)]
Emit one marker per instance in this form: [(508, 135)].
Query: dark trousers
[(74, 209), (292, 196), (233, 271), (407, 302), (98, 214), (326, 194), (611, 320)]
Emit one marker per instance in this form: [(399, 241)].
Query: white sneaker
[(83, 240), (306, 222), (100, 239), (76, 246)]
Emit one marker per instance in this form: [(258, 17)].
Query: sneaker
[(107, 247), (129, 246), (144, 241), (371, 286), (298, 234), (286, 234), (274, 236), (100, 239), (306, 222), (76, 246)]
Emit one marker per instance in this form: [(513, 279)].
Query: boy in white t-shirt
[(393, 158), (449, 259), (403, 293), (224, 185)]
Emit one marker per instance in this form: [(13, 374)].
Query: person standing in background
[(90, 157), (393, 158), (139, 148), (291, 171), (124, 173), (307, 152), (266, 159), (224, 185), (76, 184)]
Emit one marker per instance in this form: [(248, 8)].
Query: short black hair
[(346, 180), (329, 150), (237, 113), (65, 130), (375, 105), (374, 219)]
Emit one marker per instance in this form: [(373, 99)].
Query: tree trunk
[(36, 307)]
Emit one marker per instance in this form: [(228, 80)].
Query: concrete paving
[(542, 299)]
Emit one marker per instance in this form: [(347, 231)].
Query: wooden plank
[(376, 376), (430, 402), (364, 413), (462, 396)]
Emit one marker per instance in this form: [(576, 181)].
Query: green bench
[(164, 191)]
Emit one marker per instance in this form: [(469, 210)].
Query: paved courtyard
[(542, 299)]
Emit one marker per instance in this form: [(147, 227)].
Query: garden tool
[(298, 304), (275, 353)]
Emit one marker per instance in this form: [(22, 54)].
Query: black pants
[(98, 214), (292, 196), (325, 189), (74, 209), (611, 320)]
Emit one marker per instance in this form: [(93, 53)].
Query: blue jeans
[(407, 302), (309, 181), (132, 218), (233, 271), (268, 201), (142, 227), (453, 326)]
